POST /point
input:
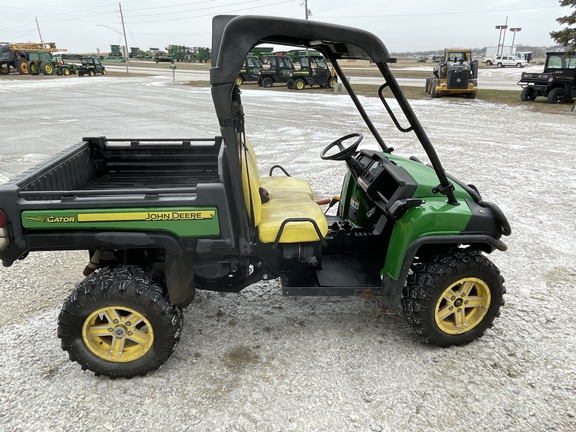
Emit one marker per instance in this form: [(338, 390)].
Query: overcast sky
[(409, 25)]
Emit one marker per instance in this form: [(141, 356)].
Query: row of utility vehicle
[(313, 70)]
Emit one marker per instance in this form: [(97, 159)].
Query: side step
[(340, 275)]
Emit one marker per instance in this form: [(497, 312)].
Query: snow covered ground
[(257, 361)]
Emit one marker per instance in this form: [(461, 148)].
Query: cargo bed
[(119, 167)]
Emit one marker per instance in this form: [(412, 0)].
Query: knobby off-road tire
[(527, 94), (267, 82), (22, 67), (118, 323), (557, 96), (299, 84), (453, 298)]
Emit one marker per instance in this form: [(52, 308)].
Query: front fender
[(434, 218)]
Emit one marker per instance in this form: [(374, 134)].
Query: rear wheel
[(519, 65), (23, 68), (488, 63), (104, 72), (332, 82), (47, 68), (452, 298), (4, 69), (65, 71), (239, 81), (91, 72), (527, 94), (556, 96), (118, 323), (433, 93), (299, 84), (267, 82), (290, 84)]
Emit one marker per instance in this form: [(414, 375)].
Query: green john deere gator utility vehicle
[(162, 218)]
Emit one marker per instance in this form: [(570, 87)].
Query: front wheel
[(500, 65), (34, 68), (104, 72), (4, 68), (527, 94), (239, 81), (453, 298), (118, 323)]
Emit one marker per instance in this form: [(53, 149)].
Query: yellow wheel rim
[(118, 334), (239, 81), (462, 306), (300, 85), (49, 68)]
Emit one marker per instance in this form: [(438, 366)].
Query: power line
[(437, 13), (210, 14)]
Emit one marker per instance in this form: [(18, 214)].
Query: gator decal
[(184, 222)]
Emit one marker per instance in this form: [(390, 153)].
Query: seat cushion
[(281, 184), (299, 206)]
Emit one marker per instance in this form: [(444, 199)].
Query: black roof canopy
[(234, 36)]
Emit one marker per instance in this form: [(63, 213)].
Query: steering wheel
[(345, 153)]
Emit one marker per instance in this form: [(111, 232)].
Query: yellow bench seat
[(277, 210), (281, 185)]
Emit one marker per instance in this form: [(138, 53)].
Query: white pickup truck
[(505, 60)]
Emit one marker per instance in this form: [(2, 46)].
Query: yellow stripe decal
[(151, 216)]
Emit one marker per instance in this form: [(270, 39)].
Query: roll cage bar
[(234, 36)]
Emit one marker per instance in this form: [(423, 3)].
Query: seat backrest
[(250, 181)]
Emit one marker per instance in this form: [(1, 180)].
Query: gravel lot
[(257, 361)]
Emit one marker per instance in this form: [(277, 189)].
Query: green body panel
[(353, 203), (434, 218), (425, 177), (181, 221)]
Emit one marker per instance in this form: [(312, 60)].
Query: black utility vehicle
[(313, 71), (251, 70), (162, 218), (90, 66), (557, 82), (279, 70)]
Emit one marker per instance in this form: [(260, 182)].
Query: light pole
[(123, 34), (514, 30)]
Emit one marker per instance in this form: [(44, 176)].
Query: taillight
[(4, 240)]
